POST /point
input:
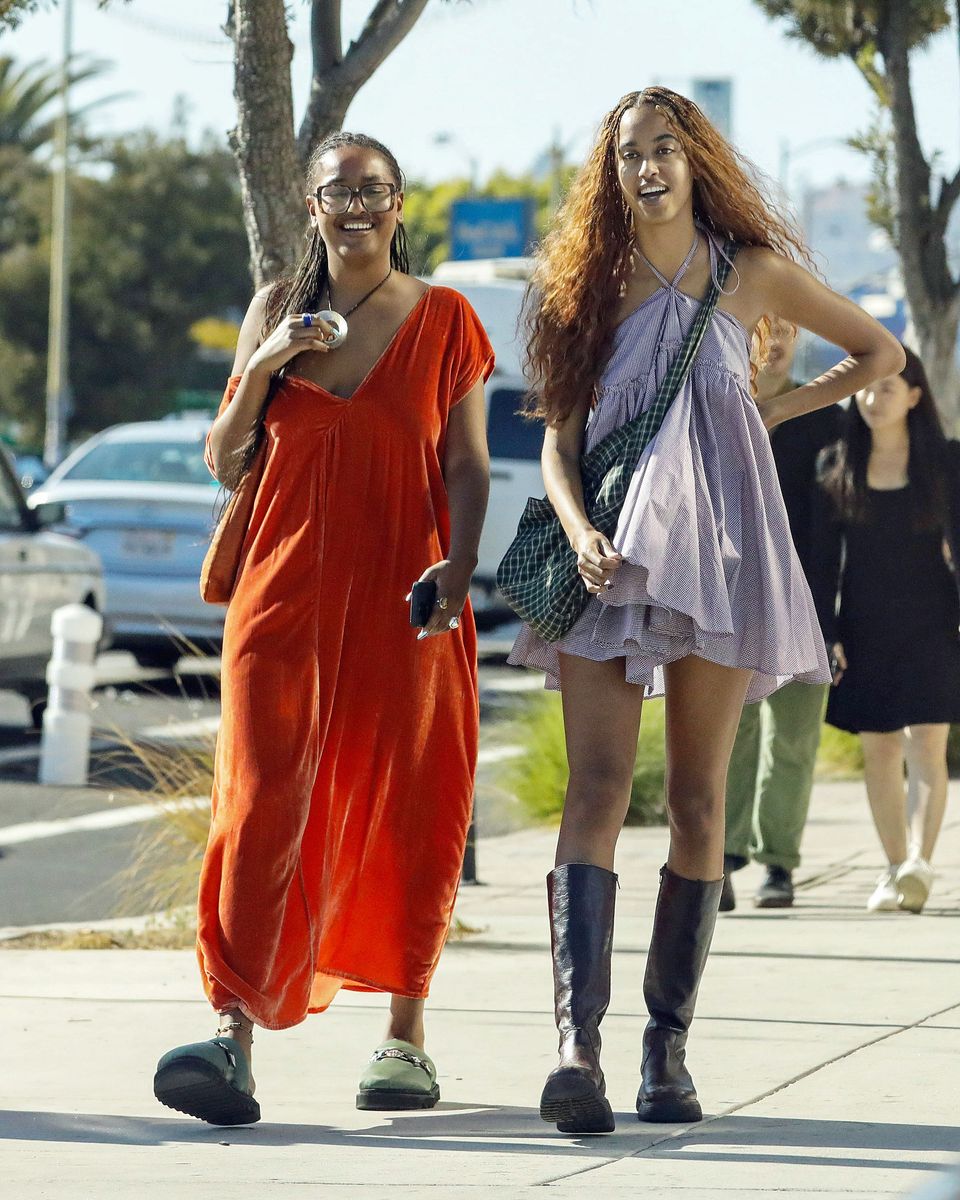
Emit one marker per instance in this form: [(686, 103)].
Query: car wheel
[(163, 658)]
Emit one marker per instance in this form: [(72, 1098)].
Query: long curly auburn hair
[(584, 260)]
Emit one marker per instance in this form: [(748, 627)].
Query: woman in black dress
[(887, 531)]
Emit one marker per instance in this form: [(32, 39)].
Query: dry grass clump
[(166, 868), (178, 936)]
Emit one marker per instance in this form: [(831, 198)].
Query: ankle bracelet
[(227, 1026)]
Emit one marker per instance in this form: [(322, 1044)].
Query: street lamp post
[(789, 153), (58, 365), (446, 138)]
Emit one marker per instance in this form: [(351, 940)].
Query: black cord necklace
[(363, 299), (339, 320)]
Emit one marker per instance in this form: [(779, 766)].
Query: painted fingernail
[(421, 635)]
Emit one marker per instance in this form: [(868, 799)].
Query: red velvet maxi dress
[(346, 755)]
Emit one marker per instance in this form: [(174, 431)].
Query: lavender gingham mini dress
[(710, 567)]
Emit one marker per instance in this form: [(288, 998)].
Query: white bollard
[(65, 749)]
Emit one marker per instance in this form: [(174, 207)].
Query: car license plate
[(146, 543)]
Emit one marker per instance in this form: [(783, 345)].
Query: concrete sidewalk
[(826, 1052)]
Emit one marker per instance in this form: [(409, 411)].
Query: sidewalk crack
[(684, 1130)]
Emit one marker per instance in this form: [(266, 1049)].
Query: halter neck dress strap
[(672, 284)]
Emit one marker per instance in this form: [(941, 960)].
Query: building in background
[(850, 250), (856, 259), (715, 98)]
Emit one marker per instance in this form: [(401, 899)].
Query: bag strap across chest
[(615, 458)]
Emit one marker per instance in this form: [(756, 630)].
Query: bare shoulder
[(760, 266), (257, 308), (765, 281), (411, 288), (258, 304), (251, 331), (747, 285)]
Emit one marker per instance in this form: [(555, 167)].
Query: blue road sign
[(485, 228)]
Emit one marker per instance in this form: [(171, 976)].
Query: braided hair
[(303, 290)]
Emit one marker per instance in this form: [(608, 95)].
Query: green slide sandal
[(208, 1080), (398, 1076)]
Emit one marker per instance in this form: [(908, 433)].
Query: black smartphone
[(423, 598)]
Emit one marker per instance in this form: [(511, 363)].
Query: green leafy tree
[(427, 210), (158, 244), (909, 201)]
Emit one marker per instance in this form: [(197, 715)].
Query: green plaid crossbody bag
[(538, 575)]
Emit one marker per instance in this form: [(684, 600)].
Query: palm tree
[(26, 98)]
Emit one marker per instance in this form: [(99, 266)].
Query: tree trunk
[(932, 292), (337, 77), (271, 179), (938, 349)]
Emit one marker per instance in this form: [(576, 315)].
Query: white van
[(514, 441)]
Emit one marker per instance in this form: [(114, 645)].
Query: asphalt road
[(63, 851)]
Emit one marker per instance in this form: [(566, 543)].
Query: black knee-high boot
[(581, 899), (682, 931)]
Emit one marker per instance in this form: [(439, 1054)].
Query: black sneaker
[(776, 891)]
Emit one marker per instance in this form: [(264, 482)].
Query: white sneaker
[(914, 881), (886, 895)]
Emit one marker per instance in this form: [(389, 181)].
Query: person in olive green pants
[(771, 769), (768, 787)]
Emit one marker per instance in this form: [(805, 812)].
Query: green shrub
[(953, 751), (538, 778), (840, 755)]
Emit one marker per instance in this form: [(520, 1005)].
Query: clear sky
[(503, 75)]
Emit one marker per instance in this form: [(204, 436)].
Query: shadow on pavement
[(511, 1130), (479, 942), (778, 1136)]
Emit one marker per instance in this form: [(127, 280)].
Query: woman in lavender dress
[(699, 595)]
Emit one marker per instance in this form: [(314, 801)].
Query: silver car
[(141, 496), (39, 571)]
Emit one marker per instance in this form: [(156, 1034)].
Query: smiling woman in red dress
[(346, 755)]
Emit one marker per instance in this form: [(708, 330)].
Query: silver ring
[(307, 320), (443, 603)]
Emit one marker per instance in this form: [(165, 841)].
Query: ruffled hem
[(649, 637)]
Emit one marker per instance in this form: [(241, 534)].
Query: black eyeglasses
[(336, 198)]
